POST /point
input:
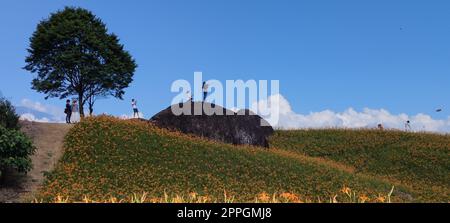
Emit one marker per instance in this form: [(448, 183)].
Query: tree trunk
[(81, 104), (91, 109), (2, 177)]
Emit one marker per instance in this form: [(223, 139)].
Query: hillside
[(48, 139), (106, 157), (418, 161)]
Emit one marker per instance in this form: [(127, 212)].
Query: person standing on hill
[(380, 127), (68, 111), (135, 109), (205, 90), (408, 126), (75, 111)]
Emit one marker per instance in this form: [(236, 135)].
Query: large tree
[(74, 55)]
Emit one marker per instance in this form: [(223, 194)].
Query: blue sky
[(328, 55)]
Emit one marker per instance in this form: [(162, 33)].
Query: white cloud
[(30, 117), (350, 118), (130, 116), (39, 112), (234, 109), (37, 106)]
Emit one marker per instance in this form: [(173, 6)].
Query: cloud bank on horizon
[(288, 119), (36, 111), (131, 116), (350, 118), (29, 110)]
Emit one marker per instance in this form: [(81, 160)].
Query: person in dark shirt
[(68, 111), (408, 126), (380, 127)]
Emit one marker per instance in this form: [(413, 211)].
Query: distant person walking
[(135, 109), (68, 111), (75, 111), (408, 126), (205, 90), (380, 127)]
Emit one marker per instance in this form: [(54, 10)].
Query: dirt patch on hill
[(48, 139)]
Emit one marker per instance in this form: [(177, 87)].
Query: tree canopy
[(74, 55), (8, 117), (15, 147)]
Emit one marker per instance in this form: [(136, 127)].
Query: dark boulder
[(242, 128)]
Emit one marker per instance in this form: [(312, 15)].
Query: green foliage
[(15, 150), (106, 157), (73, 54), (8, 117)]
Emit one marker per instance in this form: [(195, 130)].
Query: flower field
[(345, 195), (418, 161), (107, 160)]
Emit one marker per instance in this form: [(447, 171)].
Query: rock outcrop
[(217, 123)]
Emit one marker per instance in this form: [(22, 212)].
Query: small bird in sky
[(439, 110)]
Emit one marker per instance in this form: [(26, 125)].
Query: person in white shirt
[(205, 90), (135, 109), (75, 117)]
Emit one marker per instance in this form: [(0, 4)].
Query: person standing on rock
[(68, 111), (188, 96), (205, 90), (135, 109)]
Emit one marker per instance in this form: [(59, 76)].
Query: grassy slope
[(420, 162), (107, 157)]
